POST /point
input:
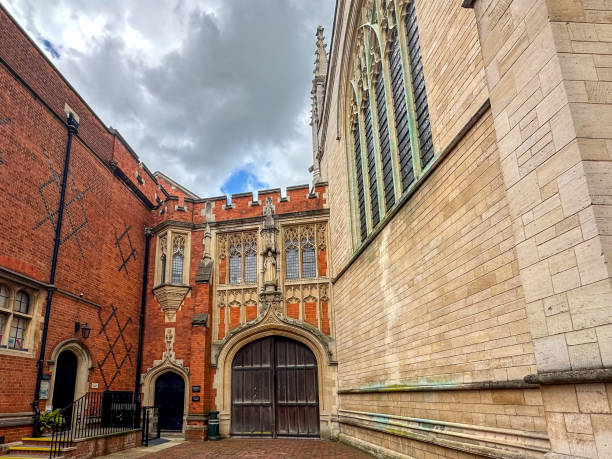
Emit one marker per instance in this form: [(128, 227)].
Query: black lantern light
[(85, 329)]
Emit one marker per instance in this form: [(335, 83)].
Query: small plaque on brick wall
[(195, 388), (195, 398)]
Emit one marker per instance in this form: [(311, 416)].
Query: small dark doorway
[(170, 399), (65, 379), (275, 389)]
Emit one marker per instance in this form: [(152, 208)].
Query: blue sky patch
[(242, 180), (50, 48)]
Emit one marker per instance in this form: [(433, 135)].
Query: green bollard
[(213, 426)]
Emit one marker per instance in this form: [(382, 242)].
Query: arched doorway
[(65, 379), (170, 399), (275, 389)]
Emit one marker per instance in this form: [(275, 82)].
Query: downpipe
[(72, 126)]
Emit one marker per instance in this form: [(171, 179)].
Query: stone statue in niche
[(269, 252), (270, 269)]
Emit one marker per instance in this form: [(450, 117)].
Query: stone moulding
[(270, 315), (596, 375), (480, 440), (170, 297), (478, 385)]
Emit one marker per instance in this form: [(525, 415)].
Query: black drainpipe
[(143, 302), (72, 126)]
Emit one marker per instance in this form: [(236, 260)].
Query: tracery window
[(15, 317), (300, 244), (241, 251), (173, 258), (388, 127)]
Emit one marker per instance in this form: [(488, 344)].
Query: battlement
[(298, 198)]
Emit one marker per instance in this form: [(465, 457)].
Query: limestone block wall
[(548, 70), (432, 331)]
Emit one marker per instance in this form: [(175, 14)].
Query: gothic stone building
[(441, 290)]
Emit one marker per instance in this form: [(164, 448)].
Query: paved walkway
[(252, 448)]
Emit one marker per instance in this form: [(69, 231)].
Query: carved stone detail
[(269, 251), (168, 358), (170, 298)]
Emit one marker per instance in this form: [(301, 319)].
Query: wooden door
[(252, 389), (170, 399), (275, 389)]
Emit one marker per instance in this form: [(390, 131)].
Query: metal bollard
[(213, 426)]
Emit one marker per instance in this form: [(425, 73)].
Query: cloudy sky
[(214, 93)]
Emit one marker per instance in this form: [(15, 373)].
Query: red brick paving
[(262, 448)]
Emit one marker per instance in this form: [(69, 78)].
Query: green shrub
[(51, 419)]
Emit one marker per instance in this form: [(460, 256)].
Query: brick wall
[(92, 264)]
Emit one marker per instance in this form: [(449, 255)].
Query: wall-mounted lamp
[(85, 329)]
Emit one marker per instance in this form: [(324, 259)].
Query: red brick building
[(88, 311)]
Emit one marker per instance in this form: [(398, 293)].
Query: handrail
[(92, 415)]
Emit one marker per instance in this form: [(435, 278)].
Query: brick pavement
[(262, 448)]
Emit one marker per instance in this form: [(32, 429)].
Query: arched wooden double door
[(275, 389)]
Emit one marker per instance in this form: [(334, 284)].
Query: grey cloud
[(229, 89)]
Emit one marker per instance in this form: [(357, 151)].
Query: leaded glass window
[(250, 262), (3, 320), (178, 259), (390, 121), (292, 256), (15, 315), (17, 334), (240, 251), (309, 267), (235, 263), (163, 268), (4, 297), (22, 303)]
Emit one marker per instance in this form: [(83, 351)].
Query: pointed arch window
[(390, 143)]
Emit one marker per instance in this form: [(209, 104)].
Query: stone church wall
[(431, 324), (486, 330)]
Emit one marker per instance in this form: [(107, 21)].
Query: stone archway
[(84, 365), (149, 383), (275, 390), (326, 372)]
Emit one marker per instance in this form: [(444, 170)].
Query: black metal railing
[(94, 414), (151, 428)]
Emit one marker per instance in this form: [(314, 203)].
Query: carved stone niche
[(170, 297)]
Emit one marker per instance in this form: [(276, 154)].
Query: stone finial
[(321, 54)]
